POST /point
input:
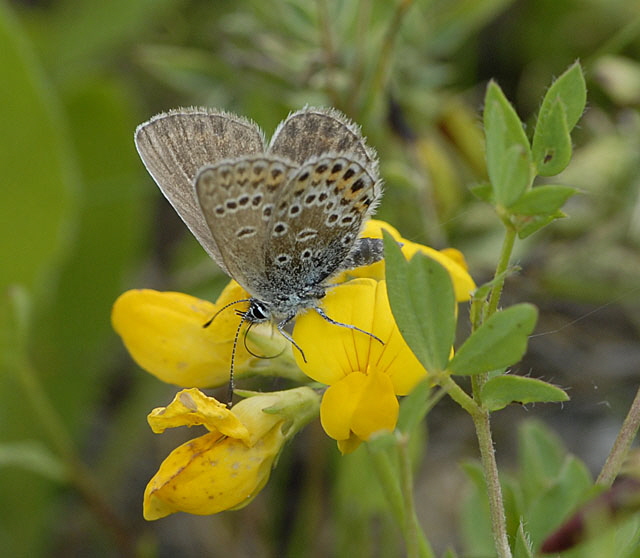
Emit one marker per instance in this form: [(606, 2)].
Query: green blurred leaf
[(500, 391), (77, 34), (522, 547), (561, 108), (500, 341), (110, 229), (34, 457), (508, 153), (423, 304), (482, 191), (555, 500), (38, 178), (413, 407), (543, 200), (541, 456)]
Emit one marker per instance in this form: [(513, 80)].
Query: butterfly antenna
[(243, 315), (209, 322), (322, 314)]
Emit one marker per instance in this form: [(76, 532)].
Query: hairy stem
[(621, 445), (503, 263)]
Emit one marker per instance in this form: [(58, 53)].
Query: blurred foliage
[(81, 221)]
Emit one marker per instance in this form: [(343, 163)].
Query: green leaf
[(500, 391), (513, 177), (552, 141), (509, 162), (500, 341), (543, 200), (560, 111), (423, 304), (526, 225), (571, 89)]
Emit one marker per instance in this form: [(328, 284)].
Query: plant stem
[(481, 419), (398, 490), (460, 396), (621, 445), (417, 544), (494, 490), (503, 263)]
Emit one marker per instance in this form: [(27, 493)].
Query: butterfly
[(282, 218)]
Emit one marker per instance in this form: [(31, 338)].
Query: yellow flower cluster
[(225, 468)]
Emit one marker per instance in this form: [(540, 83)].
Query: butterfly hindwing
[(317, 219)]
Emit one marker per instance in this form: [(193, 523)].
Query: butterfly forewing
[(317, 219), (312, 132), (175, 145), (238, 200)]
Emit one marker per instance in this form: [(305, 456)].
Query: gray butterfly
[(281, 219)]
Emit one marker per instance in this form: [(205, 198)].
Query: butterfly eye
[(257, 312)]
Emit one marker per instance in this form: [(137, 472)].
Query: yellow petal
[(357, 407), (453, 261), (339, 404), (333, 351), (349, 445), (394, 358), (374, 227), (164, 333), (377, 407), (192, 407), (211, 474)]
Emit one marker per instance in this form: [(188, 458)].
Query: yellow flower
[(227, 467), (364, 375), (164, 333), (450, 258)]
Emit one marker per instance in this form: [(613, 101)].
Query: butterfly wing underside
[(237, 198), (317, 219), (175, 145)]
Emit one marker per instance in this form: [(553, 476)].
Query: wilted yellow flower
[(164, 333), (227, 467)]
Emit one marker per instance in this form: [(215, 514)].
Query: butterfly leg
[(288, 337), (322, 314)]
